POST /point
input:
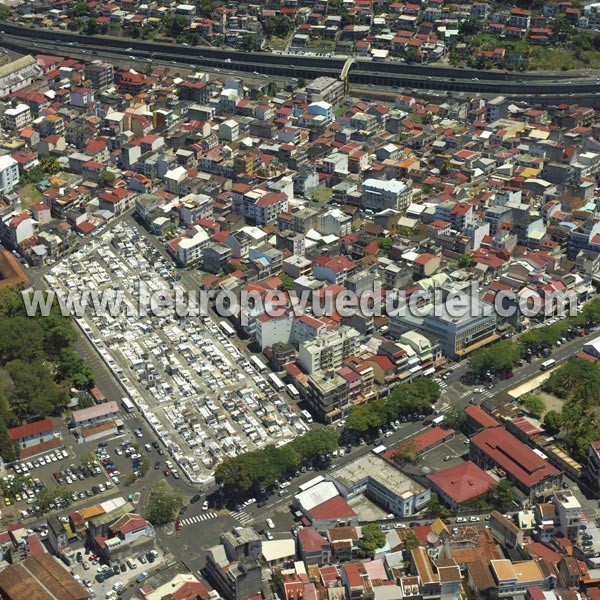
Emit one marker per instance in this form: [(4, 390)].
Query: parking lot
[(202, 398), (104, 580)]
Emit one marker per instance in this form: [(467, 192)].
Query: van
[(131, 563)]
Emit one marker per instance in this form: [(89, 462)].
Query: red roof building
[(461, 483), (32, 433), (496, 447)]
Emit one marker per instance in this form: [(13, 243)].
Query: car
[(448, 457), (157, 465), (142, 559), (270, 523), (155, 444), (269, 535), (178, 525), (474, 519), (182, 510), (122, 567), (205, 505), (461, 520), (195, 498)]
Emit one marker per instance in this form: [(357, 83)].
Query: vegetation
[(533, 404), (164, 502), (577, 378), (287, 283), (372, 539), (437, 508), (37, 366), (501, 356), (406, 398), (252, 472), (278, 26), (552, 422), (500, 496)]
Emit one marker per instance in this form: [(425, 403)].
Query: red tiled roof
[(462, 482), (45, 425), (513, 456), (335, 508), (483, 418)]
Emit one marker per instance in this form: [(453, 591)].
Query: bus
[(311, 483), (128, 405), (548, 364), (228, 330), (258, 364), (292, 391), (277, 383), (307, 416)]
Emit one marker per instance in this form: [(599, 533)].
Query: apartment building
[(9, 173), (100, 74), (329, 352), (378, 195), (17, 117)]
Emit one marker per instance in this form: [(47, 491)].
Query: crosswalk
[(199, 518), (243, 517)]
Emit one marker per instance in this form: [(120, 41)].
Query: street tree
[(164, 502)]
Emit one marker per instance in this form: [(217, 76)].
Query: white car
[(461, 520), (270, 524), (205, 505), (474, 519)]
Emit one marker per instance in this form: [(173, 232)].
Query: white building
[(334, 222), (17, 117), (229, 130), (329, 351), (382, 482), (378, 195), (9, 173), (188, 250)]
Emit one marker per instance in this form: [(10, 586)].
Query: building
[(314, 548), (329, 352), (593, 465), (325, 89), (9, 173), (189, 249), (17, 117), (41, 577), (95, 414), (100, 74), (328, 396), (460, 335), (382, 483), (33, 434), (515, 578), (568, 511), (183, 586), (235, 564), (57, 535), (334, 222), (495, 447), (461, 483), (378, 195), (18, 74)]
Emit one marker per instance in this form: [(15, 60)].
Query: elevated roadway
[(536, 88)]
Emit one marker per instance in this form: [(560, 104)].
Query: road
[(546, 87)]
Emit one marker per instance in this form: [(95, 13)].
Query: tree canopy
[(251, 472), (533, 404), (164, 502), (404, 399), (501, 356), (372, 539)]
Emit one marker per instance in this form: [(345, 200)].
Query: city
[(299, 300)]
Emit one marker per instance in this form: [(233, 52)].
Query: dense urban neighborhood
[(289, 337)]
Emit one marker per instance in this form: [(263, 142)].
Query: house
[(33, 434), (95, 414)]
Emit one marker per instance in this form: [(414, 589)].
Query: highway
[(547, 88)]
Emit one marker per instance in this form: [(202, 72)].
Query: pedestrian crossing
[(199, 518), (243, 517)]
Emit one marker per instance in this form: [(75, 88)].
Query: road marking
[(242, 517), (199, 518)]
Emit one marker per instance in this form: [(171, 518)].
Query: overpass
[(541, 88)]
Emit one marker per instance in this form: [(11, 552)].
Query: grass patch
[(29, 195), (323, 194)]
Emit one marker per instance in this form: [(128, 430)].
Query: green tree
[(5, 11), (278, 26), (386, 244), (371, 539), (533, 404), (287, 283), (411, 542), (464, 261), (500, 496), (301, 82), (469, 27), (501, 356), (164, 503), (362, 419), (105, 178), (456, 418), (552, 422), (436, 507), (173, 25), (50, 165)]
